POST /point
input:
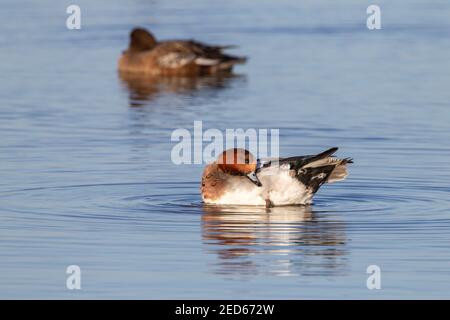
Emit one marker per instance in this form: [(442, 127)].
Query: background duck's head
[(141, 40)]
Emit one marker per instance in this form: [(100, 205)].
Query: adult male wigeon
[(237, 178), (174, 57)]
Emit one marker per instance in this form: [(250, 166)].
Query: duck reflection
[(281, 241), (144, 88)]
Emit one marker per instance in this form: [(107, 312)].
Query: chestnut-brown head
[(141, 40), (238, 161)]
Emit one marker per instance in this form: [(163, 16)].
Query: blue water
[(86, 176)]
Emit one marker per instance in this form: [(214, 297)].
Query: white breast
[(277, 185)]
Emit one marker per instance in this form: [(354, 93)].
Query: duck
[(146, 55), (236, 177)]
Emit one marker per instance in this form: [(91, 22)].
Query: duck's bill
[(262, 163), (253, 178)]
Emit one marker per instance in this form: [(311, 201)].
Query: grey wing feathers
[(298, 162)]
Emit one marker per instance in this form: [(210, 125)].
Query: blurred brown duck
[(175, 57)]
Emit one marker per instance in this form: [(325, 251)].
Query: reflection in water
[(280, 241), (143, 88)]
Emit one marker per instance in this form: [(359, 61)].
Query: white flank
[(206, 62), (277, 185), (175, 60)]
